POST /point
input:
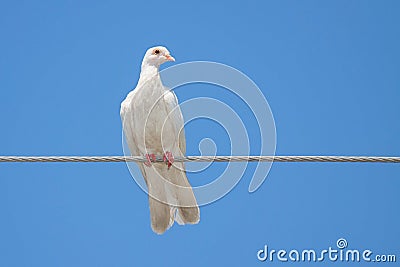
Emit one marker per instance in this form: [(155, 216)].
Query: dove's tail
[(170, 197), (161, 217), (180, 195), (160, 212)]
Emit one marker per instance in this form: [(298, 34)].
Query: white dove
[(153, 125)]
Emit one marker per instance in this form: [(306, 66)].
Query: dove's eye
[(156, 51)]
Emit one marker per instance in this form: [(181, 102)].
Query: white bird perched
[(153, 125)]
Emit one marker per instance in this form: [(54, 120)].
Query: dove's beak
[(170, 58)]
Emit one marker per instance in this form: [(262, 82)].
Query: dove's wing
[(128, 124), (176, 119), (182, 192), (133, 121)]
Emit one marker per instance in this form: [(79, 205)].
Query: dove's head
[(156, 56)]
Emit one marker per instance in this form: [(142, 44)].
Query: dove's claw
[(168, 159), (150, 158)]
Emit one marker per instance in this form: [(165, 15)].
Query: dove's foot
[(168, 159), (150, 158)]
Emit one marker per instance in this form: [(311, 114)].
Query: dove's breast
[(150, 119)]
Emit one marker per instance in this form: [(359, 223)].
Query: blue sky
[(330, 72)]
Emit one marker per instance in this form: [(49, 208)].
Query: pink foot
[(150, 158), (168, 159)]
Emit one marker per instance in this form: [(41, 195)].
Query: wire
[(203, 159)]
